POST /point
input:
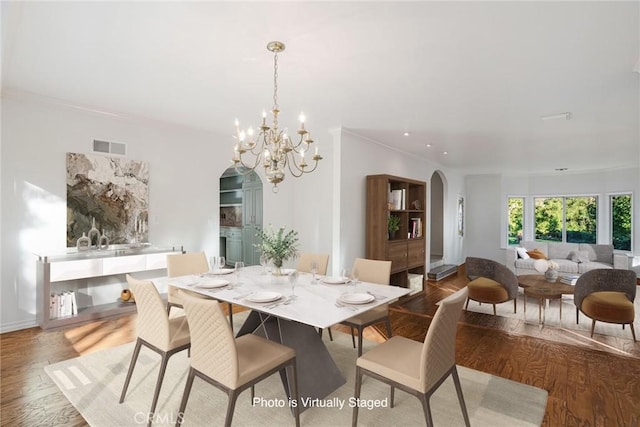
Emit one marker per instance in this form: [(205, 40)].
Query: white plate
[(222, 271), (264, 296), (212, 284), (334, 280), (356, 298)]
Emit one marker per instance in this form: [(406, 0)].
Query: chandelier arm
[(298, 172), (296, 146), (246, 166), (295, 173)]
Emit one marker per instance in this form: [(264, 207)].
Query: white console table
[(97, 277)]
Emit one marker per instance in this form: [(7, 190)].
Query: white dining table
[(293, 321)]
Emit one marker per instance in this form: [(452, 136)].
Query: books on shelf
[(63, 304), (570, 279), (416, 228)]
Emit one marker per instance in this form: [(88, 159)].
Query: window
[(566, 219), (515, 206), (548, 218), (581, 219), (621, 221)]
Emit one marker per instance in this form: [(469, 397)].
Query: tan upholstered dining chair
[(231, 364), (414, 367), (156, 331), (374, 271), (607, 295), (490, 282), (183, 265), (306, 258)]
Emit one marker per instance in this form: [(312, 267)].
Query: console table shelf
[(96, 277)]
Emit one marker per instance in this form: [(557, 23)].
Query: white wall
[(36, 133), (482, 212), (361, 157)]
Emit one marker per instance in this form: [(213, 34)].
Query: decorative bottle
[(94, 236), (104, 241), (83, 243)]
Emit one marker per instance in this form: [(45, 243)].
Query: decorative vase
[(551, 275), (83, 243), (94, 236), (104, 241)]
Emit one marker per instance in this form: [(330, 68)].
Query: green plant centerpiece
[(393, 225), (277, 246)]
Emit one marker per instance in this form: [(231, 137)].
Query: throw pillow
[(537, 254), (583, 256), (522, 253), (579, 256)]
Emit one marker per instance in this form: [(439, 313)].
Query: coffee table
[(536, 286)]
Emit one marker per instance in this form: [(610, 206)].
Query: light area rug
[(93, 384), (552, 316)]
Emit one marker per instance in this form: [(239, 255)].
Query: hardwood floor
[(590, 382)]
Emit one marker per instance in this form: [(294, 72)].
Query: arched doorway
[(240, 216), (436, 234)]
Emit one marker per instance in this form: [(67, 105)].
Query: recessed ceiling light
[(445, 152), (428, 145), (406, 134)]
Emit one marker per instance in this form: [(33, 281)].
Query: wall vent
[(109, 147)]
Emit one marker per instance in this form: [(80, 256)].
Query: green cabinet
[(240, 217), (234, 246), (251, 220)]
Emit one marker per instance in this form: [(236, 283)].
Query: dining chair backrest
[(306, 258), (213, 348), (184, 264), (374, 271), (153, 322), (439, 348)]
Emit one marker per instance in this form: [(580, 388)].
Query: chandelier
[(272, 147)]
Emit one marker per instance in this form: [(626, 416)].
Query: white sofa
[(572, 258)]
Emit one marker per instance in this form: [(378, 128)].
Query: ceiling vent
[(109, 147)]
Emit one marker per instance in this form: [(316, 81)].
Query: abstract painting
[(113, 192)]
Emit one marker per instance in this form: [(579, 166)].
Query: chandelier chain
[(275, 82)]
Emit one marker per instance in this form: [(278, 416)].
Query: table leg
[(560, 309), (540, 302)]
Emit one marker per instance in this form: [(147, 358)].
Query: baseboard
[(16, 326)]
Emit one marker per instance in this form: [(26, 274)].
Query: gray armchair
[(490, 282), (607, 295)]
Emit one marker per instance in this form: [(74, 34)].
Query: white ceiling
[(471, 78)]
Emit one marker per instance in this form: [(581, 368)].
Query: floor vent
[(109, 147), (441, 272)]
